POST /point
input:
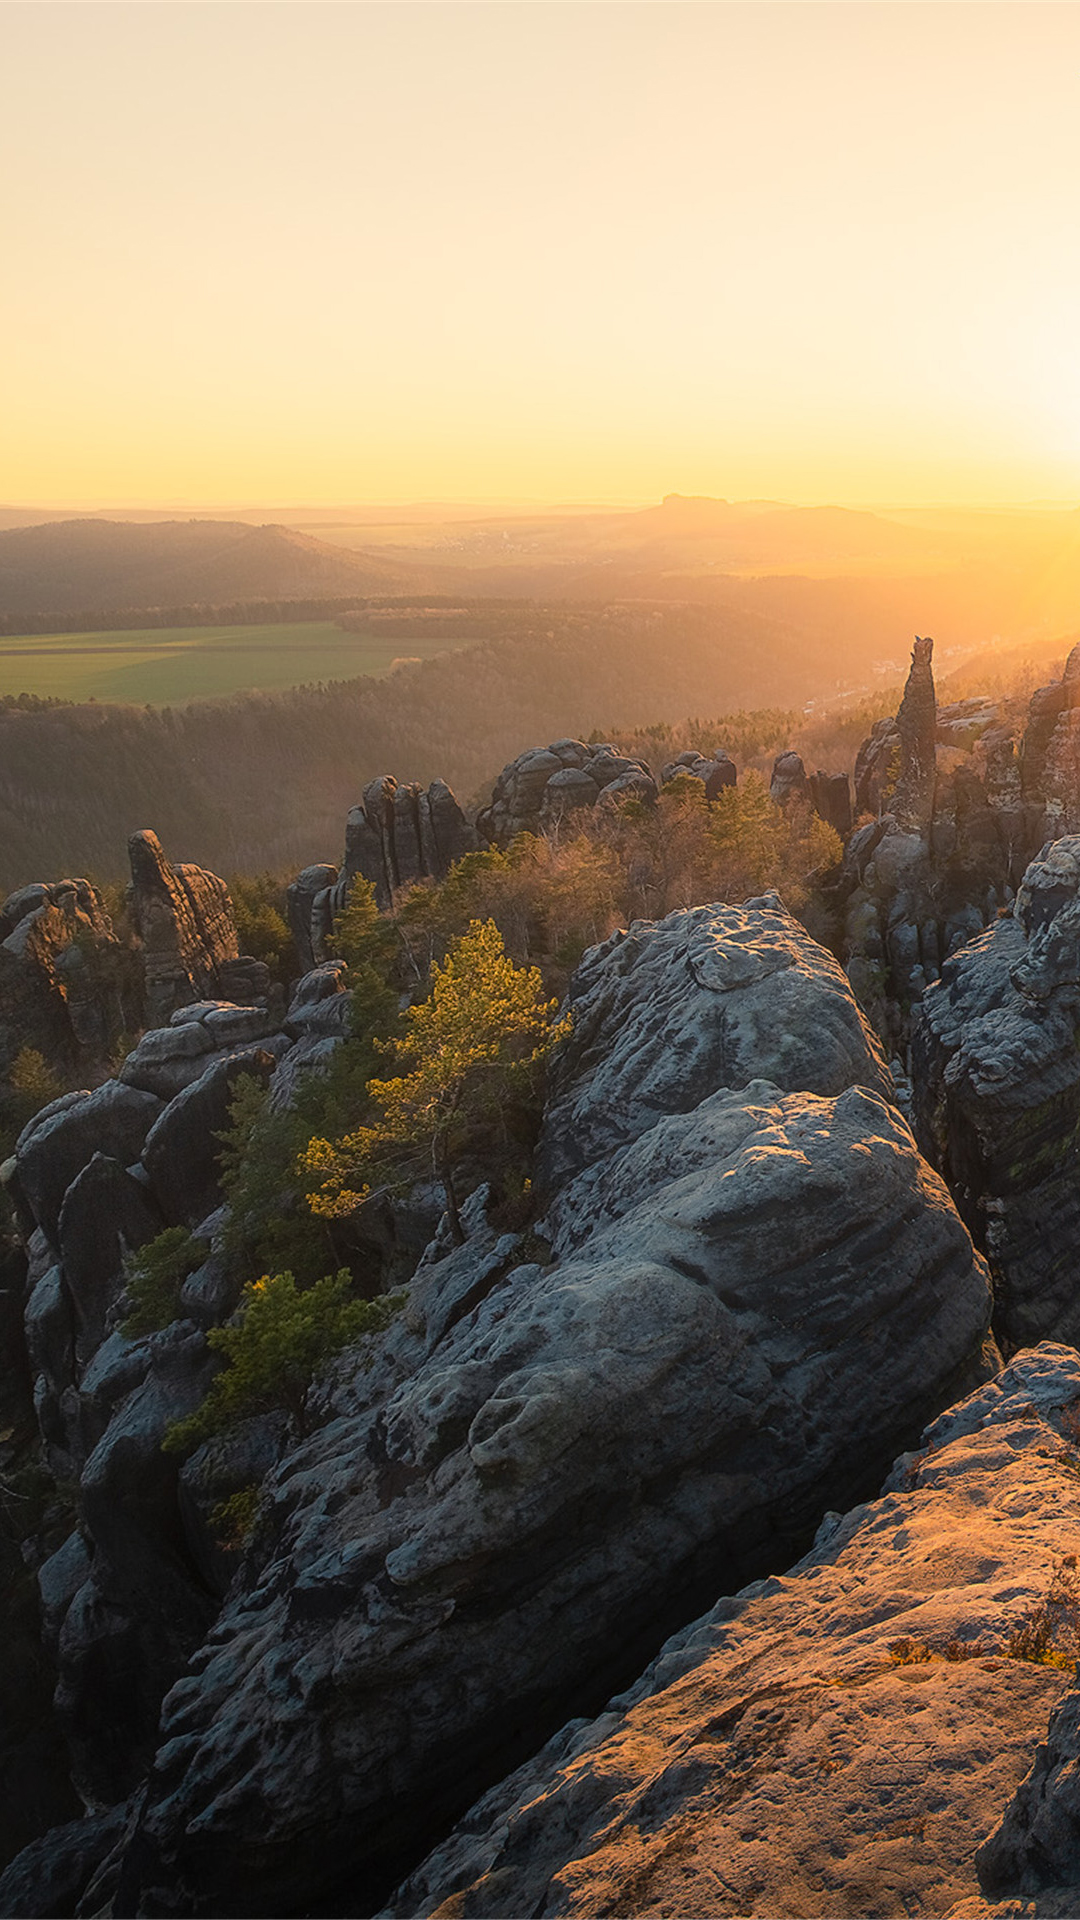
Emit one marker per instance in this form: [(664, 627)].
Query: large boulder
[(840, 1739), (715, 771), (61, 1140), (536, 791), (996, 1068), (182, 1154), (550, 1465), (670, 1010)]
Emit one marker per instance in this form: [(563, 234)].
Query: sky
[(380, 250)]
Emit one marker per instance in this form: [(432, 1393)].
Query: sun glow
[(324, 253)]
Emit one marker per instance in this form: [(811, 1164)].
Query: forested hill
[(264, 780), (76, 566)]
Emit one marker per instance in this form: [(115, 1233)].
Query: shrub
[(472, 1043), (276, 1351), (33, 1084), (233, 1520), (262, 929), (154, 1276)]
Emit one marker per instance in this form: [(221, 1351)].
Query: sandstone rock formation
[(184, 923), (668, 1011), (71, 988), (715, 771), (541, 787), (64, 988), (996, 1070), (828, 793), (840, 1739), (754, 1294), (94, 1177), (945, 852), (963, 797), (1034, 1853), (395, 837)]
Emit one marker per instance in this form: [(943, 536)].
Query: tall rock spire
[(916, 723)]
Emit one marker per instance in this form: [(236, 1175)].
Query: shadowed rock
[(996, 1068), (916, 726), (64, 987), (536, 791), (758, 1297)]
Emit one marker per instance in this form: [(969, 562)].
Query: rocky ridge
[(837, 1740), (537, 1476), (533, 1475)]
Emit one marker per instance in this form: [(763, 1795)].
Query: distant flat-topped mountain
[(87, 565)]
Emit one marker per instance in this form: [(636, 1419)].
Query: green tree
[(33, 1083), (154, 1276), (262, 928), (264, 1182), (277, 1350), (484, 1028)]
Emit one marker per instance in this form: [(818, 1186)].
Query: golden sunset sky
[(287, 251)]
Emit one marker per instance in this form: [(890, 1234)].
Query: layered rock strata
[(838, 1740), (184, 925)]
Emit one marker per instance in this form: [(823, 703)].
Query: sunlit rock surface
[(835, 1741)]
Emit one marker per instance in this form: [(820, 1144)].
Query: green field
[(163, 666)]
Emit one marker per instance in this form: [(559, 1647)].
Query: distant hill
[(74, 566), (264, 780)]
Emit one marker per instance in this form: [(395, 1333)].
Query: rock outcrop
[(668, 1011), (65, 988), (715, 771), (540, 788), (944, 853), (838, 1740), (996, 1070), (183, 921), (398, 835), (962, 798), (94, 1177), (753, 1294), (71, 988)]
